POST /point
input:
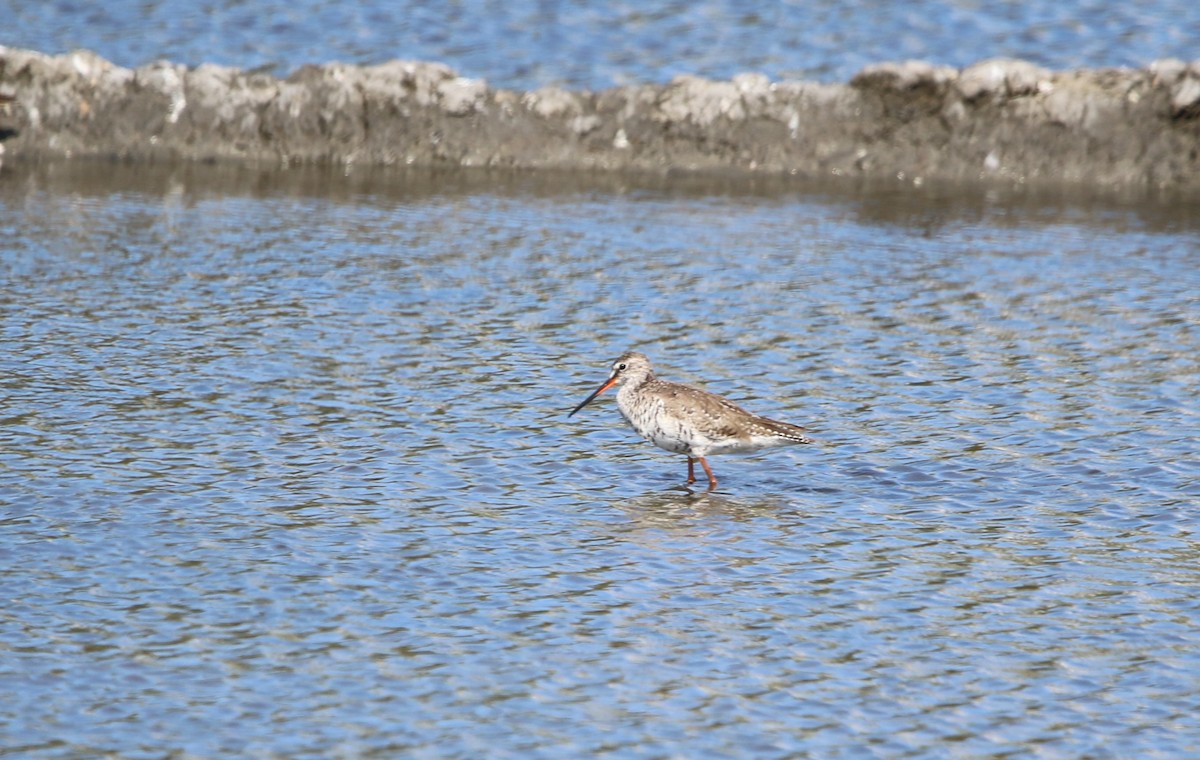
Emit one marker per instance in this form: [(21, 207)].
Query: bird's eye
[(620, 367)]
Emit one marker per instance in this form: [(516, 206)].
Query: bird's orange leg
[(712, 479), (691, 470)]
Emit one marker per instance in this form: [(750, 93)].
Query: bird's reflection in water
[(681, 505)]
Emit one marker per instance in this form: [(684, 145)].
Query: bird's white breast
[(647, 415)]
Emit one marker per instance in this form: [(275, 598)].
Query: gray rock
[(1185, 95), (1003, 77), (904, 76), (582, 125), (461, 96), (910, 122), (1167, 70), (700, 102), (552, 103)]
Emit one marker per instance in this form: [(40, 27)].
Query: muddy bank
[(911, 122)]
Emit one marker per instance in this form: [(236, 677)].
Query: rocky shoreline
[(999, 120)]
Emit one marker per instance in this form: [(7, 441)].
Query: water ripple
[(301, 466)]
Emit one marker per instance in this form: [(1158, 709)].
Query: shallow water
[(285, 470), (524, 45)]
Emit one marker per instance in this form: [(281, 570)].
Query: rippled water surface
[(527, 44), (285, 471)]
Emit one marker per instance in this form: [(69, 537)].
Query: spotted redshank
[(687, 420)]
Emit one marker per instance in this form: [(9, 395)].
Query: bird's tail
[(787, 430)]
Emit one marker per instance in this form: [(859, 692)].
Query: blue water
[(595, 45), (285, 471)]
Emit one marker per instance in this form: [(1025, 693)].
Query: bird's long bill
[(610, 382)]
